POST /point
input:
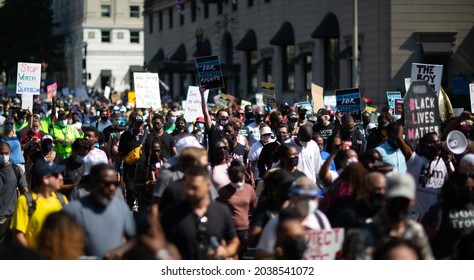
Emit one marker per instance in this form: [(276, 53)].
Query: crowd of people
[(95, 180)]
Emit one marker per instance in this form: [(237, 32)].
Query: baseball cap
[(200, 119), (138, 118), (265, 130), (44, 169), (400, 185), (46, 137), (322, 112), (304, 186), (187, 142), (467, 159)]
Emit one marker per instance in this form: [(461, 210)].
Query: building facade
[(293, 43), (104, 42)]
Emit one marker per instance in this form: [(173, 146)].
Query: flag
[(180, 7)]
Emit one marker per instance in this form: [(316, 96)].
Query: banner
[(28, 78), (428, 72), (323, 244), (268, 91), (471, 93), (349, 102), (209, 72), (52, 90), (147, 90), (193, 108), (318, 98), (421, 111), (398, 109), (132, 98), (391, 96)]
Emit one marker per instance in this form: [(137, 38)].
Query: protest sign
[(304, 104), (221, 102), (428, 72), (268, 91), (27, 100), (52, 90), (471, 92), (114, 97), (259, 99), (318, 98), (193, 108), (28, 78), (391, 96), (421, 111), (323, 244), (458, 111), (244, 103), (398, 109), (147, 90), (349, 102), (209, 72), (330, 101), (107, 92), (407, 84), (132, 98)]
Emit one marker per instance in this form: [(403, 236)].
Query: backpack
[(16, 169), (32, 202)]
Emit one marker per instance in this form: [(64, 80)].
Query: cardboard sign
[(28, 79), (132, 98), (398, 109), (428, 72), (221, 102), (209, 72), (421, 111), (52, 90), (349, 102), (147, 90), (114, 97), (244, 103), (391, 96), (27, 100), (471, 93), (193, 108), (323, 244), (318, 98), (268, 91), (107, 92)]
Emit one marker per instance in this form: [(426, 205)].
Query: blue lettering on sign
[(347, 96), (209, 74), (207, 63), (21, 89)]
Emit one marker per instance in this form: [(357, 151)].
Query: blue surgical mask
[(9, 127), (63, 123), (200, 125), (173, 119), (21, 121), (96, 145), (116, 122)]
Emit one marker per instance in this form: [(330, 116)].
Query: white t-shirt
[(309, 158), (268, 238), (427, 195), (254, 154), (94, 157)]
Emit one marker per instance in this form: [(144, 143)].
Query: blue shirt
[(324, 156), (16, 154), (392, 156)]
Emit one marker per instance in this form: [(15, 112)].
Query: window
[(134, 37), (307, 71), (206, 10), (105, 36), (150, 23), (251, 72), (170, 16), (91, 35), (249, 3), (119, 35), (181, 19), (220, 8), (267, 70), (193, 11), (134, 11), (331, 63), (234, 6), (160, 20), (105, 10), (288, 69)]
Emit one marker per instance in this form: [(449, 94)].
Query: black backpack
[(32, 202)]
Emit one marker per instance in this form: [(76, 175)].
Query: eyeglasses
[(240, 113), (108, 183)]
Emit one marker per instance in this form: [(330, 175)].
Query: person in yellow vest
[(30, 213), (47, 122), (64, 135)]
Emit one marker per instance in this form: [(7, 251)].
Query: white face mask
[(4, 159), (238, 185), (307, 206), (352, 160)]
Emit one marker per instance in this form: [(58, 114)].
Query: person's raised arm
[(53, 111), (205, 111), (404, 147), (324, 175)]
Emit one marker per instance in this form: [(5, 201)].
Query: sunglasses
[(108, 183)]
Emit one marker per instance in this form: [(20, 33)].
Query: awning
[(159, 56), (285, 36), (248, 42), (260, 62), (300, 57), (136, 68), (328, 28), (437, 48), (179, 54), (106, 73)]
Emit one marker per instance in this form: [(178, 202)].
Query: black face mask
[(46, 147), (392, 143), (293, 161), (302, 115), (249, 116), (157, 128), (319, 120), (293, 248), (259, 118), (180, 126), (366, 121), (467, 195), (104, 118), (376, 200), (230, 139), (280, 138), (293, 118), (396, 211), (430, 151)]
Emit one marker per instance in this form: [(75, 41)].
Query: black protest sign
[(348, 101), (209, 72), (398, 107), (421, 112)]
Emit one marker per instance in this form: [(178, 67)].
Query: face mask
[(249, 115), (9, 127), (223, 122), (293, 248), (96, 145), (63, 123), (172, 119), (21, 121), (293, 161), (293, 118), (431, 152), (199, 125), (34, 131), (319, 120), (376, 199), (4, 159), (467, 195), (79, 159), (302, 115), (213, 122), (366, 120), (259, 118), (306, 206), (352, 160), (396, 212), (47, 147), (230, 139), (104, 118), (116, 122), (180, 126), (281, 138), (265, 138), (238, 185)]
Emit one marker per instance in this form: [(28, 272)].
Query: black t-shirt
[(166, 140), (8, 184), (452, 222), (265, 160), (175, 192), (108, 131), (128, 142), (73, 172), (239, 153), (39, 156), (354, 216), (181, 224), (325, 131), (214, 134)]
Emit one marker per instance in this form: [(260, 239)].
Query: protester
[(95, 155), (254, 127), (268, 154), (255, 150), (64, 135)]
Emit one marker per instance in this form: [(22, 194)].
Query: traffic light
[(44, 65)]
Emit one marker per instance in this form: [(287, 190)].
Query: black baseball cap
[(322, 112)]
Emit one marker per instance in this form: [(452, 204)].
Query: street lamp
[(84, 65)]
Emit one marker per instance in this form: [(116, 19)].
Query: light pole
[(84, 65), (355, 50)]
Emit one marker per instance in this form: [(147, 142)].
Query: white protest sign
[(107, 92), (471, 93), (27, 101), (193, 108), (407, 84), (259, 99), (428, 72), (323, 244), (28, 78), (458, 111), (330, 101), (147, 90)]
